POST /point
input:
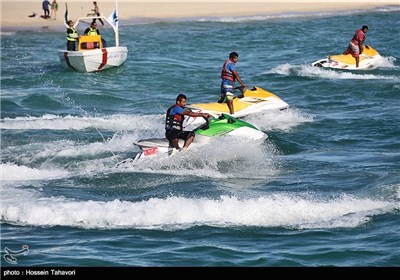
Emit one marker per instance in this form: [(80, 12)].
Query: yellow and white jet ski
[(368, 59), (254, 100)]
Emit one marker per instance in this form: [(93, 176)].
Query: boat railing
[(91, 18)]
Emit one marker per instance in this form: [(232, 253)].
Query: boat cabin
[(90, 42)]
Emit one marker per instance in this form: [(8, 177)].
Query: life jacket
[(92, 31), (225, 73), (359, 35), (73, 33), (174, 121)]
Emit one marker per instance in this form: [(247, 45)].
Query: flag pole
[(116, 27)]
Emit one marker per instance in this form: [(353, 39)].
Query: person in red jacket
[(356, 45)]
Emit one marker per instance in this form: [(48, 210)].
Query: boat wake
[(331, 74)]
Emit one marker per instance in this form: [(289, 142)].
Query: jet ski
[(224, 125), (368, 59), (253, 100)]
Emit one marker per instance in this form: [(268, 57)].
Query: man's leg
[(188, 137), (188, 141), (229, 102)]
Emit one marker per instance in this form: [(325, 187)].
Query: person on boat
[(174, 123), (92, 31), (72, 36), (356, 46), (228, 76)]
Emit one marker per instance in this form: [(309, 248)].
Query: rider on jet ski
[(174, 123)]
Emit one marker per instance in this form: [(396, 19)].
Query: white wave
[(113, 123), (221, 158), (294, 15), (311, 71), (280, 210), (279, 120), (386, 62), (14, 172), (4, 33)]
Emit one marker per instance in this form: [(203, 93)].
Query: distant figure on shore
[(96, 10), (228, 76), (54, 9), (356, 47), (45, 7), (72, 36)]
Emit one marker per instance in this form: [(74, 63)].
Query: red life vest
[(358, 36), (225, 73), (174, 121)]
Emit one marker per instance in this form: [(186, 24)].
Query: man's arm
[(193, 114), (360, 40), (237, 77)]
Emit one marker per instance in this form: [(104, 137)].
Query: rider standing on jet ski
[(356, 45), (228, 76), (174, 123)]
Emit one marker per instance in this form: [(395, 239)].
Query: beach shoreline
[(163, 10)]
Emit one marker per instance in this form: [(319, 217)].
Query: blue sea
[(322, 190)]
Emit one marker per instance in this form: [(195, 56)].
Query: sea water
[(322, 190)]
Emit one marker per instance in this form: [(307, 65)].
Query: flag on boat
[(113, 18), (66, 14)]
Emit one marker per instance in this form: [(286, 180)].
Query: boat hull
[(93, 60), (368, 59)]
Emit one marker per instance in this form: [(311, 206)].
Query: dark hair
[(233, 55), (364, 27), (180, 97)]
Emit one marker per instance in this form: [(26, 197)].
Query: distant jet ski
[(254, 100), (368, 59), (224, 125)]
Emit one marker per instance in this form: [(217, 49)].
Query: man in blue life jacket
[(174, 123), (228, 76)]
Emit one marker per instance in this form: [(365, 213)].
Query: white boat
[(368, 59), (254, 100), (91, 55)]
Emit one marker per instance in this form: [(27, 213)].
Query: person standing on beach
[(356, 47), (45, 7), (72, 36), (96, 10), (54, 9), (228, 76)]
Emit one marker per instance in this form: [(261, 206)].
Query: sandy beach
[(15, 14)]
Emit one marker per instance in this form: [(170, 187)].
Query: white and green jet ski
[(224, 125)]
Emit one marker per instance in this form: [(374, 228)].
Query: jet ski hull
[(368, 59), (223, 126), (254, 100)]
